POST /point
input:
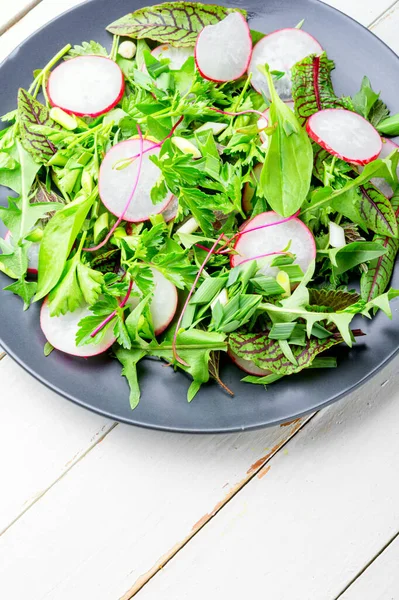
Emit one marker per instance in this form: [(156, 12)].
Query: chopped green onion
[(281, 331), (208, 290)]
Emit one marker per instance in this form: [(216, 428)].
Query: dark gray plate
[(96, 383)]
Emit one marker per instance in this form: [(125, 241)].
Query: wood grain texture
[(125, 508), (381, 580), (42, 436), (327, 504), (11, 12)]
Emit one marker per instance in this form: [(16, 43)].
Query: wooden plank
[(136, 497), (42, 436), (387, 28), (366, 11), (312, 519), (11, 12), (381, 580)]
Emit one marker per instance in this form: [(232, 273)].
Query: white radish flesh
[(176, 56), (248, 365), (337, 235), (223, 50), (281, 50), (170, 211), (164, 303), (345, 134), (263, 122), (116, 183), (379, 182), (61, 332), (86, 85), (253, 242), (250, 189)]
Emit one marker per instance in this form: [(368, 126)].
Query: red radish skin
[(247, 365), (275, 238), (249, 190), (281, 50), (345, 134), (115, 184), (61, 331), (99, 81), (388, 146), (163, 306), (223, 51), (33, 255), (170, 211)]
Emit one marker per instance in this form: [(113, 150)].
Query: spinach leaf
[(312, 88), (177, 23), (287, 170)]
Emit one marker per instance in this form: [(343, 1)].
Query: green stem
[(24, 194), (114, 49), (49, 65)]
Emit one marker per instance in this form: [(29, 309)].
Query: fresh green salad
[(199, 194)]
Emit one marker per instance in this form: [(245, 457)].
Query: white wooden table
[(94, 510)]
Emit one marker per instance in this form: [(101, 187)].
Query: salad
[(199, 193)]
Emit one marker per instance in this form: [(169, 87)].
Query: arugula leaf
[(25, 289), (129, 360), (31, 112), (86, 48), (375, 281), (177, 23), (268, 354), (312, 88), (287, 170), (58, 239)]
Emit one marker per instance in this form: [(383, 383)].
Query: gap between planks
[(20, 15), (259, 468), (366, 567), (382, 15)]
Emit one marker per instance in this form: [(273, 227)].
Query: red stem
[(179, 322), (114, 313)]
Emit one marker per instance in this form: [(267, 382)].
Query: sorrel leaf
[(375, 281), (334, 299), (312, 88), (377, 211), (177, 23), (31, 112)]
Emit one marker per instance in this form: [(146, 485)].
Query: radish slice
[(281, 50), (33, 254), (61, 332), (176, 56), (170, 211), (379, 182), (249, 190), (264, 122), (115, 184), (164, 303), (345, 134), (223, 50), (253, 243), (247, 365), (86, 85)]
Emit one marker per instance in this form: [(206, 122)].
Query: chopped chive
[(281, 331)]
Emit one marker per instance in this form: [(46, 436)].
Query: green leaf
[(58, 239), (312, 88), (129, 360), (87, 48), (365, 99), (48, 348), (268, 354), (356, 253), (287, 170), (376, 211), (375, 281), (177, 23), (334, 299), (31, 112), (7, 162), (389, 126), (90, 282), (25, 289)]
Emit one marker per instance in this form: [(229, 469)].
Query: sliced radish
[(223, 50), (264, 122), (115, 183), (86, 86), (281, 50), (164, 303), (345, 134), (250, 189), (170, 211), (247, 365), (61, 332), (379, 182), (33, 254), (176, 56), (256, 240)]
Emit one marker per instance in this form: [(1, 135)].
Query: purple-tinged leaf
[(377, 211), (31, 112)]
